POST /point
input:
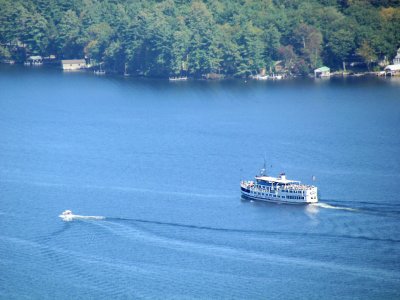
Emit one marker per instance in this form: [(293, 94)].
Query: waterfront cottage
[(322, 72), (73, 64), (394, 70)]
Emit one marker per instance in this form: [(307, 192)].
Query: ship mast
[(263, 171)]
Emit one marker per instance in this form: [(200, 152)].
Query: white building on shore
[(322, 72), (394, 70), (73, 64)]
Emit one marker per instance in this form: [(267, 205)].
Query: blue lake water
[(162, 163)]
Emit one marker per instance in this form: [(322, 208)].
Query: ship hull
[(248, 196)]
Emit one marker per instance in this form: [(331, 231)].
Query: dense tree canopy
[(233, 37)]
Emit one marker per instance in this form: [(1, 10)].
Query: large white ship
[(279, 189)]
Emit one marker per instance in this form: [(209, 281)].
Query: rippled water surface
[(161, 162)]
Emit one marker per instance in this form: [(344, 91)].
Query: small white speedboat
[(68, 216)]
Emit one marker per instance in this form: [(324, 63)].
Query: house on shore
[(322, 72), (73, 64), (394, 70)]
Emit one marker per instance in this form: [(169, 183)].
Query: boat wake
[(371, 208), (328, 206), (158, 238), (68, 216)]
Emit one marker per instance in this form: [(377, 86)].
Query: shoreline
[(282, 77)]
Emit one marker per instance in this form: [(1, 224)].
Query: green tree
[(271, 39), (367, 53), (69, 35), (289, 57), (34, 32), (98, 38), (203, 57), (4, 53), (8, 25), (180, 47), (252, 49), (309, 42), (230, 51), (339, 45)]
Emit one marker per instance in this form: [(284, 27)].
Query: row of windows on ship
[(285, 191), (283, 197)]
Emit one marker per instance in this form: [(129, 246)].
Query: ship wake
[(328, 206)]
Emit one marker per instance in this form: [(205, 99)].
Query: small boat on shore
[(267, 77), (278, 189), (180, 78)]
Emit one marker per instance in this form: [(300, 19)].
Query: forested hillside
[(233, 37)]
